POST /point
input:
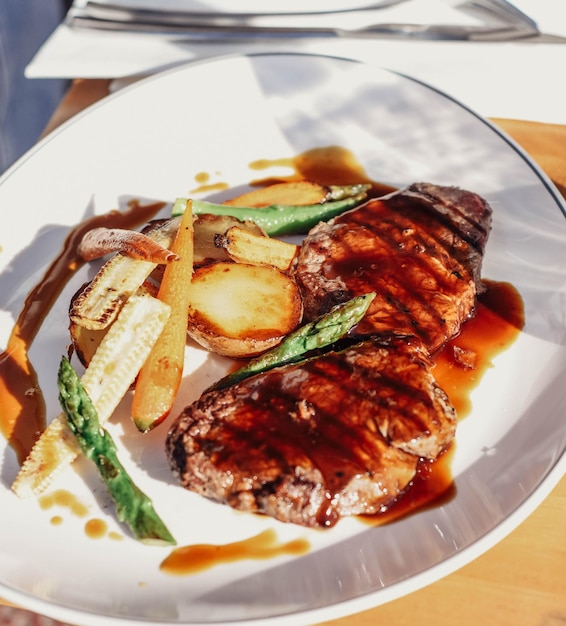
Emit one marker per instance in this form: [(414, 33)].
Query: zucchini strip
[(243, 246), (108, 377), (119, 278)]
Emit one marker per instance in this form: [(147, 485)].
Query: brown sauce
[(202, 178), (432, 486), (205, 186), (64, 499), (329, 165), (498, 321), (211, 187), (192, 559), (115, 536), (22, 407), (96, 528), (61, 498)]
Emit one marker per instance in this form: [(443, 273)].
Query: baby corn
[(108, 377)]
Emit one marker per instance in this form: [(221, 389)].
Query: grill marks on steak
[(339, 434), (419, 249)]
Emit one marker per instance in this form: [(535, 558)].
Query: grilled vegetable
[(100, 302), (109, 375), (99, 242), (240, 310), (243, 246), (133, 507), (208, 228), (160, 376), (312, 336), (299, 192), (278, 219), (86, 341)]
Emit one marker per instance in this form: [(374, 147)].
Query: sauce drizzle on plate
[(459, 368), (328, 165), (22, 407), (192, 559)]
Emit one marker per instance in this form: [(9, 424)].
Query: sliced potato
[(293, 193), (240, 310), (246, 247), (207, 227)]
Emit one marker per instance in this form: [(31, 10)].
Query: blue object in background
[(25, 104)]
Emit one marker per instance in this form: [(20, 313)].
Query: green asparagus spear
[(311, 336), (282, 219), (132, 506)]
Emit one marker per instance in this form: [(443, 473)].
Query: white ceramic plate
[(151, 141)]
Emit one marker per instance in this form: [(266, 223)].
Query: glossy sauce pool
[(459, 368), (330, 165)]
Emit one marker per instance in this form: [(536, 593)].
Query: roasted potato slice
[(292, 193), (207, 227), (240, 310), (246, 247)]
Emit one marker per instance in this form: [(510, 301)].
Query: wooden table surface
[(522, 580)]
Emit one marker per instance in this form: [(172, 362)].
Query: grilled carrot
[(160, 376)]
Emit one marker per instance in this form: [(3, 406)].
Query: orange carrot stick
[(160, 376)]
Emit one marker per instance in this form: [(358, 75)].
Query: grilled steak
[(342, 433), (339, 434), (419, 249)]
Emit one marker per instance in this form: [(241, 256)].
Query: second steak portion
[(340, 434), (420, 249)]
